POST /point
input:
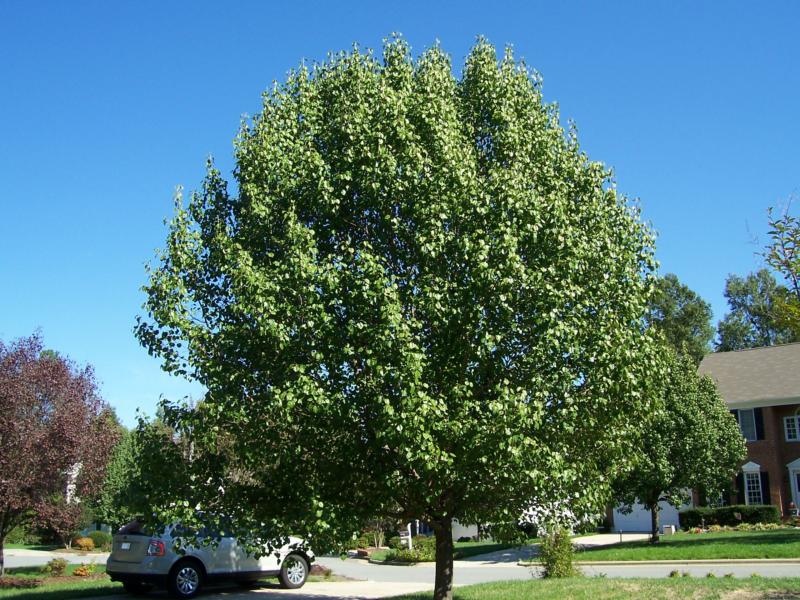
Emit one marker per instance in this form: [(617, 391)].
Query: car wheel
[(185, 579), (136, 587), (294, 572)]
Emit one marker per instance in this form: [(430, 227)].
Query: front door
[(794, 478)]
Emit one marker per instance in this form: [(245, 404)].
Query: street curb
[(397, 563)]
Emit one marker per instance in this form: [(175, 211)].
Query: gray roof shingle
[(758, 374)]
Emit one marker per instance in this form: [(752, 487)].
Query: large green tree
[(754, 318), (682, 317), (691, 441), (422, 301), (136, 479)]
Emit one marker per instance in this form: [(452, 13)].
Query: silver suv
[(143, 562)]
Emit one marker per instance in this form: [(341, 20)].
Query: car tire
[(136, 588), (185, 579), (294, 572)]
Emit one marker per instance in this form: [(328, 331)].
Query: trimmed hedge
[(424, 550), (729, 515)]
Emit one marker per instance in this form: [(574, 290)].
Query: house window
[(752, 488), (747, 423), (791, 427)]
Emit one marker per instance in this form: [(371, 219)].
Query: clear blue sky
[(106, 106)]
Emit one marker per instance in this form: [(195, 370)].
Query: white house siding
[(460, 530), (639, 518)]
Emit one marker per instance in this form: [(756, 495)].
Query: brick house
[(762, 388)]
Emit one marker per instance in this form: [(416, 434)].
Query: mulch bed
[(10, 582)]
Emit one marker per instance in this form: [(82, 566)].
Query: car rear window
[(135, 527)]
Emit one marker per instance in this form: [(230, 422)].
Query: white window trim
[(751, 467), (796, 419), (760, 490), (794, 469)]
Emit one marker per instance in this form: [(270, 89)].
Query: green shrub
[(729, 515), (556, 555), (396, 543), (360, 541), (101, 539), (425, 541), (696, 517), (22, 535), (55, 567), (424, 550)]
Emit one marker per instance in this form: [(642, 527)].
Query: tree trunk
[(443, 587), (2, 557), (654, 536)]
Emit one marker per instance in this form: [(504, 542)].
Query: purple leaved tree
[(56, 436)]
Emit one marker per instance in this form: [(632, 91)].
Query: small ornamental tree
[(422, 302), (691, 441), (56, 435)]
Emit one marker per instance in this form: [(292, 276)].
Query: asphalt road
[(466, 573), (28, 558)]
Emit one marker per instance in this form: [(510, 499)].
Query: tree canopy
[(691, 441), (753, 320), (682, 317), (423, 300), (136, 479), (56, 435), (783, 255)]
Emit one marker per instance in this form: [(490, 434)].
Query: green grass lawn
[(779, 543), (467, 549), (77, 587), (46, 547), (596, 588), (80, 587), (462, 550)]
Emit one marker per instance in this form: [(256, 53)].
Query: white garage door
[(639, 519)]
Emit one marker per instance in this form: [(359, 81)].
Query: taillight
[(156, 548)]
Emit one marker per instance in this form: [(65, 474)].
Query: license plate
[(125, 546)]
